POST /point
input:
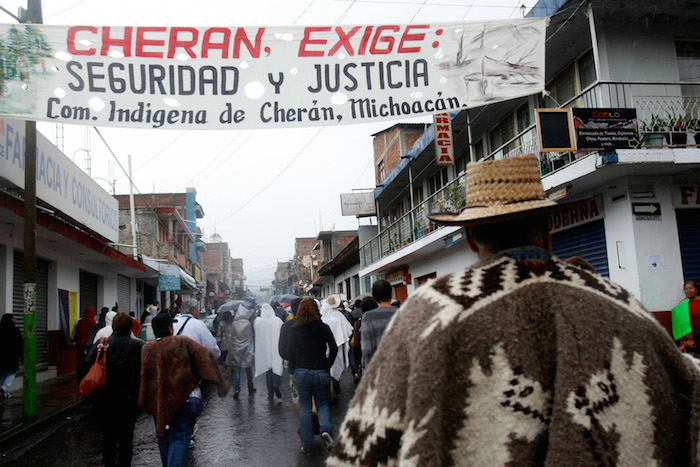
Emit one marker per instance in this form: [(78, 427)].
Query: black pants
[(119, 418)]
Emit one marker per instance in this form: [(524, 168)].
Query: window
[(418, 195), (688, 55), (523, 117), (380, 171), (479, 149), (502, 133), (573, 79), (438, 180), (586, 70)]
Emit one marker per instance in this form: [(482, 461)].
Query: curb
[(35, 423)]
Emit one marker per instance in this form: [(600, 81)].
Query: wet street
[(250, 431)]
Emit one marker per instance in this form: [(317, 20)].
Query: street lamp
[(88, 160), (112, 184)]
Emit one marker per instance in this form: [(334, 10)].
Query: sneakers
[(191, 443), (270, 397), (304, 452), (327, 438), (235, 395), (5, 393), (278, 393)]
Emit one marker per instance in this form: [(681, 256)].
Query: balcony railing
[(415, 224), (668, 114)]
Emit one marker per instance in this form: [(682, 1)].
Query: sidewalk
[(53, 397)]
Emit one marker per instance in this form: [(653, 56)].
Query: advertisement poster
[(264, 77), (169, 278), (606, 128)]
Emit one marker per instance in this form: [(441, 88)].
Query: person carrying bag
[(96, 378)]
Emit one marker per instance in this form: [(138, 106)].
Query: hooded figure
[(240, 344), (342, 330), (267, 358), (107, 330), (240, 350)]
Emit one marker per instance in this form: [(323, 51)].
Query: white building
[(641, 226), (77, 266)]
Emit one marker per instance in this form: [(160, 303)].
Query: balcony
[(668, 115), (415, 224)]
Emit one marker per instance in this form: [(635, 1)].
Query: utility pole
[(33, 16)]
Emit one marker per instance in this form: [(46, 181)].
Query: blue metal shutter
[(689, 235), (586, 241)]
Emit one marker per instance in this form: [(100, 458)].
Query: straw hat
[(500, 190), (332, 301)]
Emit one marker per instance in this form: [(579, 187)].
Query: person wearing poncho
[(267, 357), (342, 330), (685, 320), (521, 358), (240, 350), (171, 366)]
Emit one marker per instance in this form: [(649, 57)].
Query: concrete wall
[(444, 262)]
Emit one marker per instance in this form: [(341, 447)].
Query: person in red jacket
[(81, 331)]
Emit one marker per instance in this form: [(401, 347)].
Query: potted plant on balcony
[(688, 128), (655, 131)]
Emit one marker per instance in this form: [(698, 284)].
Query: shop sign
[(360, 204), (444, 147), (197, 273), (685, 196), (168, 278), (576, 215), (59, 182), (606, 128), (646, 211), (399, 277), (234, 78)]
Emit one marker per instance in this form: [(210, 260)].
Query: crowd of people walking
[(521, 358)]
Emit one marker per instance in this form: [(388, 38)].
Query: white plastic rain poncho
[(267, 335), (240, 344), (342, 330)]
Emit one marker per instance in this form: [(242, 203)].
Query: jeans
[(6, 379), (176, 441), (316, 384), (237, 378), (273, 381)]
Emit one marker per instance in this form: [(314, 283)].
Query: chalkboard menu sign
[(555, 130)]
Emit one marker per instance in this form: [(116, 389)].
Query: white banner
[(59, 182), (258, 77)]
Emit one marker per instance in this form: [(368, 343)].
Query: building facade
[(638, 225)]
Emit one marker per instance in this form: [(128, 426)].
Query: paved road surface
[(247, 432)]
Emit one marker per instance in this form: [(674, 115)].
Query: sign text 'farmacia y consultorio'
[(258, 77)]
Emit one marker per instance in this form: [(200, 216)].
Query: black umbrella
[(285, 299)]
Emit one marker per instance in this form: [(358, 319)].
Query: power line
[(274, 179), (66, 9)]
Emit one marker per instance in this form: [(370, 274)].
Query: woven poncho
[(514, 363)]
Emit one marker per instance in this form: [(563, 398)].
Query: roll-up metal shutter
[(124, 293), (88, 292), (689, 235), (42, 305), (586, 241)]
